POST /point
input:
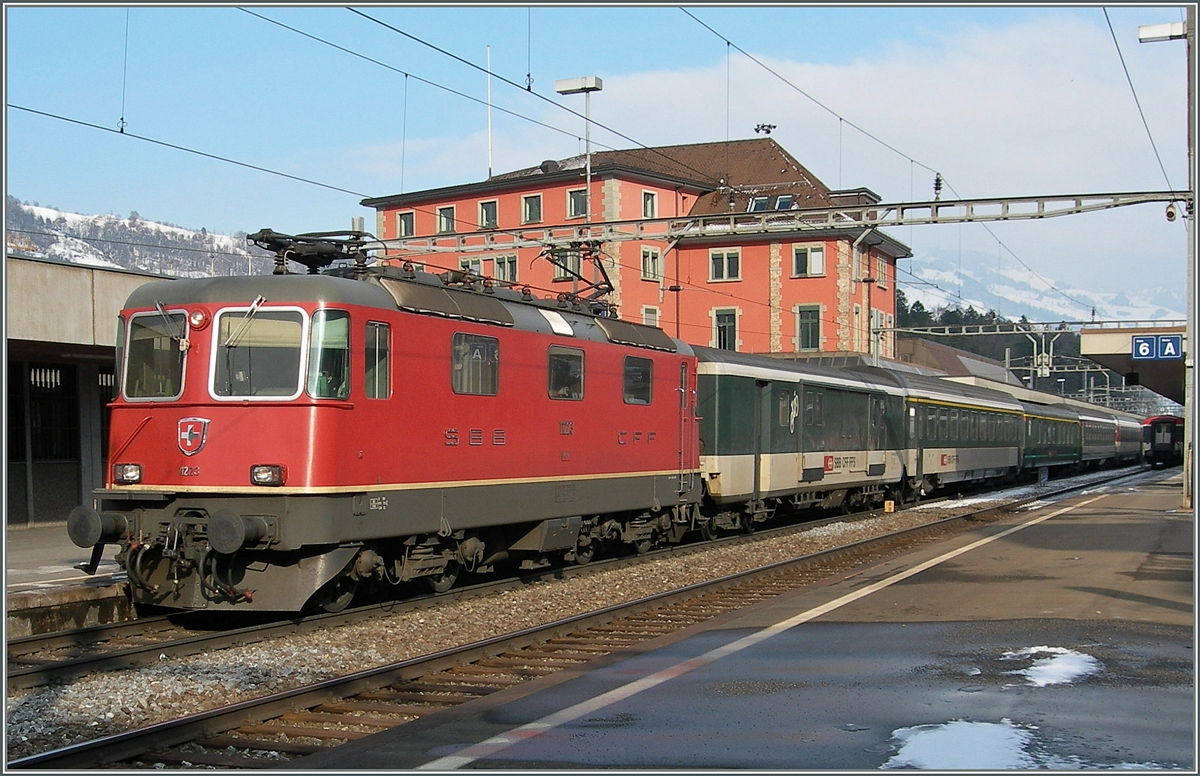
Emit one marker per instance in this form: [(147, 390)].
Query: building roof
[(724, 175)]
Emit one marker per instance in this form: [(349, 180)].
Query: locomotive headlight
[(198, 319), (127, 473), (267, 474)]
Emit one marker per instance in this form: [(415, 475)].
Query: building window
[(406, 224), (650, 316), (808, 328), (474, 266), (445, 219), (378, 378), (577, 203), (531, 208), (651, 268), (725, 265), (649, 204), (506, 268), (475, 364), (808, 261), (881, 272), (566, 373), (488, 214), (639, 377), (725, 322), (784, 202), (757, 204), (566, 263)]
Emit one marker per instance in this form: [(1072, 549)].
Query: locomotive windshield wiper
[(173, 332), (232, 340)]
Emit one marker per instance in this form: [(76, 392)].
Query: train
[(1162, 440), (285, 442)]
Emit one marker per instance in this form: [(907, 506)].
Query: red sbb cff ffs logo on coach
[(193, 433), (829, 463)]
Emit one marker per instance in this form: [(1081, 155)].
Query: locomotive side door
[(688, 430)]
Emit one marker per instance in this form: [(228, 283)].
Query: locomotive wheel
[(747, 523), (584, 554), (643, 547), (440, 583), (336, 595), (708, 531)]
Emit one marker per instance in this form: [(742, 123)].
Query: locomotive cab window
[(154, 358), (257, 353), (329, 355), (565, 373), (475, 364), (639, 376)]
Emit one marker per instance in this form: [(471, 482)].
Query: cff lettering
[(635, 437)]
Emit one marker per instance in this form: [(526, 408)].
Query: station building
[(779, 292), (61, 343)]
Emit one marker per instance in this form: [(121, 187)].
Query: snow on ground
[(985, 746), (1063, 666)]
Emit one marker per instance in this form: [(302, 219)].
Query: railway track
[(284, 727)]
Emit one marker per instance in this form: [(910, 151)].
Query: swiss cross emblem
[(192, 434)]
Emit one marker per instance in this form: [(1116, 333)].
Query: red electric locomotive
[(1162, 440), (278, 440)]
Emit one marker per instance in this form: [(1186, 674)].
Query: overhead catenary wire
[(185, 149), (1136, 101), (883, 143)]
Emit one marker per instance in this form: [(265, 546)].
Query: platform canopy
[(1150, 356)]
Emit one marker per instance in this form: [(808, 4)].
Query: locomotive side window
[(154, 358), (565, 373), (378, 377), (258, 353), (639, 376), (329, 355), (475, 364)]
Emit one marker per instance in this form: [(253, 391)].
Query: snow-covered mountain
[(129, 243), (940, 279), (937, 279)]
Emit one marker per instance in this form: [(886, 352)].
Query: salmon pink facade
[(783, 292)]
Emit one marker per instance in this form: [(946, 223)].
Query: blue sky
[(1003, 101)]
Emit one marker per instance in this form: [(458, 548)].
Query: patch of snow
[(986, 746), (1063, 666), (962, 745)]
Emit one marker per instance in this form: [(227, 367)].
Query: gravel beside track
[(46, 718)]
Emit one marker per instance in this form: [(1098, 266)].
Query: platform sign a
[(1161, 347), (1170, 346)]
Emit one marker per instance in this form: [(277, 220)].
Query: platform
[(1060, 638), (43, 589)]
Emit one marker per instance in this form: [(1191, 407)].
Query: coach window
[(258, 353), (639, 376), (378, 377), (566, 373), (475, 365), (155, 358), (329, 355)]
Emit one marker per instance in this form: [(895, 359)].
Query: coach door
[(877, 437)]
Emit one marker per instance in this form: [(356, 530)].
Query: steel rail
[(135, 743)]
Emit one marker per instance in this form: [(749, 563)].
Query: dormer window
[(784, 202), (757, 204)]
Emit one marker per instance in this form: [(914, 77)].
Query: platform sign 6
[(1144, 348)]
